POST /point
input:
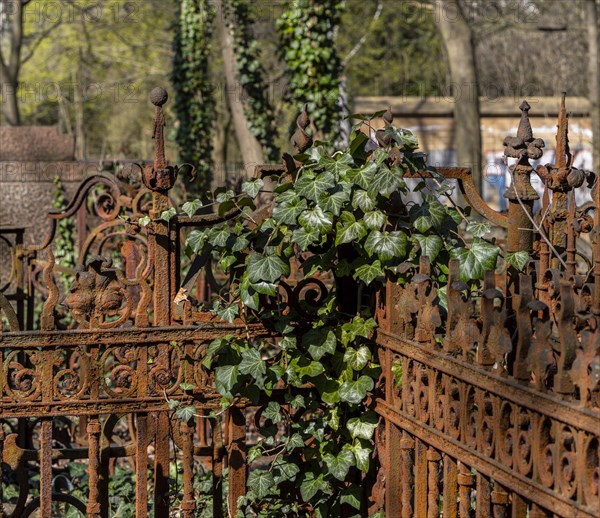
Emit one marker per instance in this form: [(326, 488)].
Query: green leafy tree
[(194, 103), (251, 74), (308, 47)]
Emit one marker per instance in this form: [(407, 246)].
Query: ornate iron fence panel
[(495, 411), (114, 358)]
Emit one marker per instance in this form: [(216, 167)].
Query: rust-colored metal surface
[(498, 403), (114, 355)]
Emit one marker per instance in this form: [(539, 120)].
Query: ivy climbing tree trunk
[(194, 101), (250, 147), (458, 41), (594, 78)]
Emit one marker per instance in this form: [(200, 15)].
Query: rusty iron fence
[(497, 412), (491, 411), (114, 354)]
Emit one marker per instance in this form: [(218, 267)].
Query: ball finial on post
[(159, 96)]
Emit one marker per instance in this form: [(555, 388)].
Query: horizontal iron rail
[(574, 415), (126, 336), (514, 481)]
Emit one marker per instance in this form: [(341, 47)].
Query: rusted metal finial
[(521, 193), (161, 177), (563, 154), (158, 97), (524, 147), (301, 140)]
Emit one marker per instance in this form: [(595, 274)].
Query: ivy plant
[(307, 31), (251, 74), (351, 218), (194, 101)]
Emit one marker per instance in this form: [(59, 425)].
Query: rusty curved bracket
[(9, 313), (468, 190)]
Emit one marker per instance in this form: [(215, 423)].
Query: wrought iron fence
[(497, 412), (494, 411)]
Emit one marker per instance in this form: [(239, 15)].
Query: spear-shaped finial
[(525, 132), (563, 155)]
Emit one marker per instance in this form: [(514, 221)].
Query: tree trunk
[(458, 41), (10, 106), (249, 146), (79, 103), (9, 71), (594, 79)]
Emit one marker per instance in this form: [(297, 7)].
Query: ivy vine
[(350, 216), (251, 74), (194, 102), (307, 31)]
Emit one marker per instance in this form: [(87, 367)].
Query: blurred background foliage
[(87, 65)]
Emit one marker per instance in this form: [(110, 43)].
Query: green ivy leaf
[(219, 236), (226, 376), (337, 165), (261, 482), (374, 219), (364, 176), (197, 239), (479, 228), (363, 427), (430, 245), (362, 454), (476, 259), (349, 230), (267, 268), (316, 219), (252, 363), (357, 358), (287, 213), (363, 200), (284, 470), (351, 496), (191, 207), (340, 464), (311, 369), (369, 272), (228, 313), (305, 237), (144, 220), (295, 441), (387, 245), (320, 341), (311, 186), (358, 327), (355, 391), (168, 214), (312, 484), (265, 288), (253, 187), (185, 413), (328, 388), (386, 180), (518, 260), (272, 411), (333, 202), (429, 213), (255, 452)]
